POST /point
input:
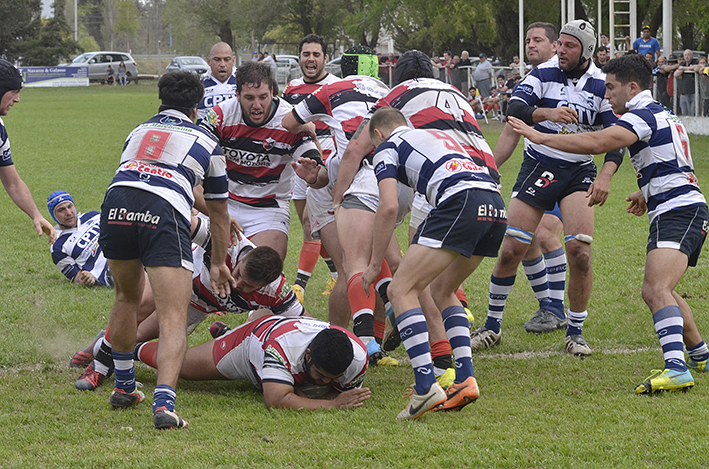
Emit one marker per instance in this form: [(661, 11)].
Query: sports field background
[(538, 406)]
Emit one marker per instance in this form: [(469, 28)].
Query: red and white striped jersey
[(258, 157)]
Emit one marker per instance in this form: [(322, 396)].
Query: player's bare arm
[(358, 148), (280, 395), (220, 227), (21, 195), (384, 223), (599, 189), (506, 144)]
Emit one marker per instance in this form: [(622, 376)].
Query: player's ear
[(307, 354)]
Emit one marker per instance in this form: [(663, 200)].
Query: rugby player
[(10, 87), (466, 224), (219, 82), (298, 363), (669, 192)]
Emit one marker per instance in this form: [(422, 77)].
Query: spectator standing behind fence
[(606, 43), (456, 73), (702, 72), (684, 78), (645, 43), (483, 76), (436, 63), (600, 56), (661, 72)]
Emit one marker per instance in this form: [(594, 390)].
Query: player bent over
[(659, 151), (299, 363), (145, 224), (467, 223)]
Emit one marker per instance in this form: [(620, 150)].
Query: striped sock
[(456, 323), (500, 288), (414, 334), (536, 271), (576, 321), (103, 358), (556, 274), (125, 371), (669, 326), (164, 396), (698, 352)]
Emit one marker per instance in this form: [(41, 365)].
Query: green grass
[(539, 407)]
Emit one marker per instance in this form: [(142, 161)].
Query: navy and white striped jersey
[(169, 155), (432, 162), (5, 153), (215, 92), (77, 249), (661, 156), (547, 86)]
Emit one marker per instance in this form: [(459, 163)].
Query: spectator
[(645, 43), (110, 78), (268, 59), (122, 74), (661, 72), (446, 62), (702, 72), (650, 58), (483, 76), (439, 66), (464, 72), (606, 43), (516, 63), (456, 75), (475, 102), (600, 56), (684, 77), (255, 57)]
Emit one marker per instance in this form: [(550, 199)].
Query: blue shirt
[(642, 46)]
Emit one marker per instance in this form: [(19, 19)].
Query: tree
[(21, 21), (127, 21)]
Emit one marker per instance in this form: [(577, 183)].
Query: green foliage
[(53, 44), (539, 407), (21, 21)]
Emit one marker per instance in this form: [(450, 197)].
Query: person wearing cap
[(483, 76), (312, 57), (76, 252), (342, 105), (562, 95), (669, 192), (145, 227), (10, 87), (219, 82), (426, 103), (645, 43)]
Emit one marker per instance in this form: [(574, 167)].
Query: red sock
[(441, 348), (361, 305), (323, 252), (379, 329), (107, 336), (148, 354), (460, 294), (309, 254)]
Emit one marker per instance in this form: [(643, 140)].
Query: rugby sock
[(382, 284), (456, 323), (125, 371), (164, 396), (328, 261), (556, 273), (362, 307), (500, 288), (309, 254), (460, 294), (103, 358), (148, 354), (669, 327), (379, 331), (442, 356), (698, 352), (414, 334), (536, 271), (576, 322)]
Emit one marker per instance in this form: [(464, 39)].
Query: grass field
[(539, 407)]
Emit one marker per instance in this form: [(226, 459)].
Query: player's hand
[(637, 205), (235, 229), (352, 398), (597, 192), (221, 279), (309, 130), (369, 276), (44, 227), (563, 115), (85, 278), (525, 130), (307, 169)]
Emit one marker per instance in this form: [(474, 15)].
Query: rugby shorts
[(684, 230), (254, 220)]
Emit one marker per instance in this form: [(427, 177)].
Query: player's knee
[(579, 256)]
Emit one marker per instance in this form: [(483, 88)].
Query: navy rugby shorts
[(684, 230)]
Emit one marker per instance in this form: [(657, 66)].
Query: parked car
[(287, 68), (188, 64), (333, 67), (98, 62)]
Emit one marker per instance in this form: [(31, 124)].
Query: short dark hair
[(385, 117), (181, 91), (262, 265), (548, 28), (331, 351), (311, 39), (630, 67), (255, 73), (601, 49)]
